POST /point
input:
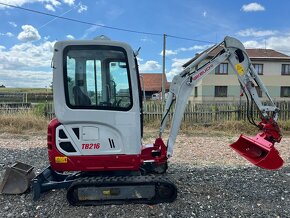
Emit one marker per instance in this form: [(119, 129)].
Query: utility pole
[(163, 70)]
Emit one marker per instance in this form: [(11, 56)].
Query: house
[(222, 84), (151, 83)]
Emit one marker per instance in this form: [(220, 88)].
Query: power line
[(188, 39), (55, 18), (80, 21), (101, 25)]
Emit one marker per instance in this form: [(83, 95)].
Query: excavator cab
[(96, 100)]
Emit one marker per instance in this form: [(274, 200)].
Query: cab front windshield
[(97, 77)]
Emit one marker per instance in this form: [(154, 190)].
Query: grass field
[(32, 95), (34, 122), (23, 123), (26, 90)]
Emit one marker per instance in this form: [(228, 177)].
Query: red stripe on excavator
[(100, 162), (95, 163), (87, 163)]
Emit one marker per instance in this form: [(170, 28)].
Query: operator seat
[(81, 99)]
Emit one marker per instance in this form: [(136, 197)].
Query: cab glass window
[(97, 77)]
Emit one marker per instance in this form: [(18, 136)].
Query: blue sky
[(27, 39)]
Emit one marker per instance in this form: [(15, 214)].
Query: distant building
[(151, 83), (222, 84)]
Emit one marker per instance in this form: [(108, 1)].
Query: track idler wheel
[(166, 191)]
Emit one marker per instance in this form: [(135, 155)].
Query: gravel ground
[(212, 181)]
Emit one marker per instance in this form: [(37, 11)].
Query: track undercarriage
[(85, 189)]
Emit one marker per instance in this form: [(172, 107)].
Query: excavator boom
[(260, 149)]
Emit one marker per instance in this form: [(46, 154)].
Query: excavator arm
[(258, 150)]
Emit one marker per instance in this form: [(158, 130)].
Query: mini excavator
[(95, 145)]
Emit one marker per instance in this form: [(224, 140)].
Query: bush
[(39, 109)]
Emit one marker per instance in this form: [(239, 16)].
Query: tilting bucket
[(258, 151), (17, 179)]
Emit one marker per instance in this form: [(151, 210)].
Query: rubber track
[(160, 182)]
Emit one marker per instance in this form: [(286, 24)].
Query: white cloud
[(204, 14), (46, 38), (52, 3), (26, 64), (194, 48), (49, 7), (70, 37), (29, 33), (139, 59), (168, 52), (15, 2), (2, 47), (279, 43), (149, 66), (89, 31), (253, 7), (82, 7), (256, 33), (69, 2), (146, 39), (26, 56), (176, 67), (55, 2), (31, 79), (8, 34), (254, 44), (12, 24)]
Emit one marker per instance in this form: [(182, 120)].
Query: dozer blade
[(258, 151), (17, 179)]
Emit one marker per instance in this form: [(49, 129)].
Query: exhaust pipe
[(17, 179)]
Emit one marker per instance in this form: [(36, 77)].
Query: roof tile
[(153, 81), (254, 53)]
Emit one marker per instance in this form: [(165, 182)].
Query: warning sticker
[(60, 159), (240, 69)]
